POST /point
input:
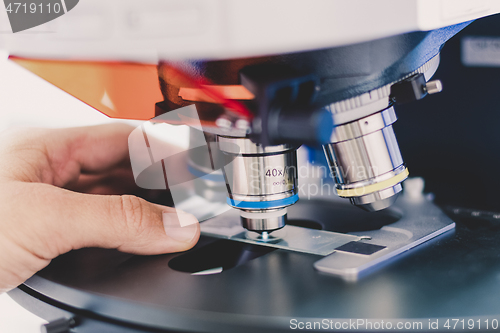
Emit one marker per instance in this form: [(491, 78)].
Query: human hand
[(41, 217)]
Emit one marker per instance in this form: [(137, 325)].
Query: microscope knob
[(414, 188), (434, 87), (414, 88)]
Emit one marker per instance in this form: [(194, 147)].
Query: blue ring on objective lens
[(206, 176), (263, 204)]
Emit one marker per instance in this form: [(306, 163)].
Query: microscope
[(275, 106)]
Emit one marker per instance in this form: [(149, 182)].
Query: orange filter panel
[(117, 89)]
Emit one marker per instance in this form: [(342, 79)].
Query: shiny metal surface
[(364, 126), (365, 157), (378, 200), (236, 145), (258, 224), (256, 175), (260, 174), (364, 153)]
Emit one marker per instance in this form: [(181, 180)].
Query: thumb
[(146, 228), (126, 222)]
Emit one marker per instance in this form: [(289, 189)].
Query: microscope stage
[(225, 285), (345, 255)]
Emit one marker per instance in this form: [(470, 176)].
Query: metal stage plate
[(419, 221)]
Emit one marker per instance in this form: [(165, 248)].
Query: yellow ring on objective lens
[(359, 191)]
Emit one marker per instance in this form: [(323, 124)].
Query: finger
[(102, 148), (58, 156), (60, 220), (85, 150), (117, 181), (98, 148)]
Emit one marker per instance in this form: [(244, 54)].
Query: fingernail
[(180, 226)]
